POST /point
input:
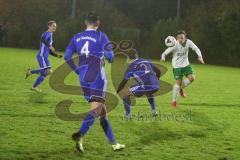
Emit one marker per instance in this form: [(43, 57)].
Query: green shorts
[(180, 72)]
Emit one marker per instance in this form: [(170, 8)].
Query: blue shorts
[(94, 91), (139, 90), (43, 62)]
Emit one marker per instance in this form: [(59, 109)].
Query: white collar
[(90, 29)]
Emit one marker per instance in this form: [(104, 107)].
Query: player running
[(89, 46), (46, 48), (147, 77), (180, 63)]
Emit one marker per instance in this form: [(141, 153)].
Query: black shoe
[(28, 73), (77, 138)]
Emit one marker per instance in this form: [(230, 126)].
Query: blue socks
[(127, 103), (151, 100), (38, 81), (104, 122), (42, 76), (39, 71), (87, 122)]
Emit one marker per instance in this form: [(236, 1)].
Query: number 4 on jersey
[(85, 49)]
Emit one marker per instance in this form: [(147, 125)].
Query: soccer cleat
[(182, 93), (154, 113), (117, 147), (174, 104), (36, 89), (79, 142), (128, 117), (28, 73)]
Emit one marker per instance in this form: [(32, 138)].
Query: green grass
[(31, 130)]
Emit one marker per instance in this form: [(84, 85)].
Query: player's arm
[(45, 41), (122, 85), (167, 52), (54, 53), (107, 48), (128, 74), (197, 51), (48, 42), (68, 56), (157, 71)]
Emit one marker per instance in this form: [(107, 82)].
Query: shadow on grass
[(152, 135), (30, 115), (38, 98), (211, 104), (209, 124)]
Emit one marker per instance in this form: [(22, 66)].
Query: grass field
[(31, 130)]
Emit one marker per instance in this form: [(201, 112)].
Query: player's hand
[(200, 59), (163, 59), (52, 49)]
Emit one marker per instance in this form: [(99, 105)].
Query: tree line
[(212, 24)]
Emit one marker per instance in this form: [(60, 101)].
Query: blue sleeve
[(47, 39), (128, 74), (106, 47), (150, 63), (50, 39), (71, 49)]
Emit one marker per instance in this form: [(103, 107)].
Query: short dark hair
[(132, 54), (51, 22), (92, 18), (181, 32)]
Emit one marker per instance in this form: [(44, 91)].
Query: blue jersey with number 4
[(90, 46)]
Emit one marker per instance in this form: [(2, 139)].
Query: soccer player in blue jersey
[(90, 48), (46, 48), (147, 77)]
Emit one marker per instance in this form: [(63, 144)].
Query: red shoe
[(174, 104), (182, 94)]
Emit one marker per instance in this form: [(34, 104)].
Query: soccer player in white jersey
[(181, 65)]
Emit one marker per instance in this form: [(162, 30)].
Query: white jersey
[(180, 53)]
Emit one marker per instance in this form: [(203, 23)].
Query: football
[(170, 41)]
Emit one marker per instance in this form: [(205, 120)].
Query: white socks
[(176, 90), (186, 82)]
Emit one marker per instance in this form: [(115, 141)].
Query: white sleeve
[(167, 51), (195, 48)]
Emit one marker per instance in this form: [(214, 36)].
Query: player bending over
[(46, 48), (147, 77), (180, 63), (89, 46)]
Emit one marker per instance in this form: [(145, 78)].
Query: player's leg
[(188, 72), (187, 81), (97, 109), (86, 124), (36, 71), (177, 72), (127, 106), (151, 100), (100, 91), (31, 72), (106, 126), (49, 71), (126, 94), (39, 80), (149, 90), (95, 94), (43, 74)]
